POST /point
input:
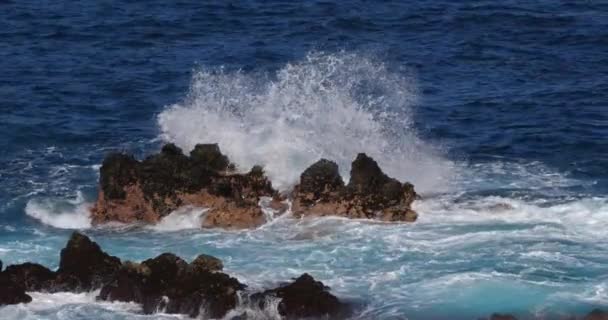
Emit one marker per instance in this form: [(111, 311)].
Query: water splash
[(328, 105), (61, 213)]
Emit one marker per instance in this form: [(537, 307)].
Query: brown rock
[(370, 193), (146, 191)]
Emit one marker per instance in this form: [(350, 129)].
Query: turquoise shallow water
[(496, 112)]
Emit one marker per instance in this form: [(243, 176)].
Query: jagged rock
[(597, 314), (369, 194), (11, 292), (305, 298), (146, 191), (168, 283), (84, 266), (207, 262), (32, 276)]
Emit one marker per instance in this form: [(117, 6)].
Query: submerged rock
[(369, 194), (305, 298), (148, 190)]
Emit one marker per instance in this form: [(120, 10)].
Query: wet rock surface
[(166, 283), (305, 298), (369, 194), (146, 191)]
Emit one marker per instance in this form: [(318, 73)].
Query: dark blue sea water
[(496, 110)]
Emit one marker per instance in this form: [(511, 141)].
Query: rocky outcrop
[(11, 292), (305, 298), (166, 283), (369, 194), (83, 266), (170, 284), (146, 191)]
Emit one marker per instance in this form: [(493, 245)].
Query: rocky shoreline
[(166, 283), (146, 191), (170, 285)]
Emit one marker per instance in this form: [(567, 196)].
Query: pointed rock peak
[(365, 172), (210, 156), (79, 240), (322, 175)]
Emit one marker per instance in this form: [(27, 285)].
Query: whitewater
[(503, 235)]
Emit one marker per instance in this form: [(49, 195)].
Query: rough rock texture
[(597, 314), (305, 298), (146, 191), (31, 276), (84, 265), (207, 262), (369, 194), (11, 292), (169, 283)]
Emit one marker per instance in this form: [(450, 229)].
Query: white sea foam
[(66, 305), (181, 219), (65, 214), (332, 106)]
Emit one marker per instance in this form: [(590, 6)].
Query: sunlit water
[(512, 175)]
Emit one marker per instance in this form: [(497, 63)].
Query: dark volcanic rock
[(305, 298), (148, 190), (321, 180), (597, 314), (84, 266), (369, 194), (209, 155), (11, 292), (168, 283), (207, 262), (32, 276)]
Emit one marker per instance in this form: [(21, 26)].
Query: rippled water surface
[(496, 111)]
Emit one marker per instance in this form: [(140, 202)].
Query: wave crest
[(328, 105)]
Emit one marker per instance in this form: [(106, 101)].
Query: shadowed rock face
[(369, 194), (146, 191), (305, 298), (12, 292), (169, 283), (166, 283), (83, 266), (83, 260)]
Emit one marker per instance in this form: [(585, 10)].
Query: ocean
[(497, 112)]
